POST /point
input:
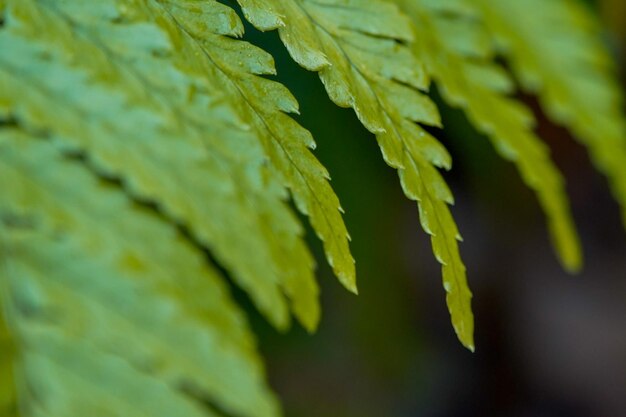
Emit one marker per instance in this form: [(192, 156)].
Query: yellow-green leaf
[(106, 325), (157, 85), (556, 51), (263, 105), (457, 52), (357, 46)]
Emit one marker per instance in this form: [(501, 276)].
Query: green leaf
[(144, 148), (159, 86), (558, 55), (105, 324), (262, 105), (458, 55), (357, 48)]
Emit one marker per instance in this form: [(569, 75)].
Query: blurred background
[(548, 344)]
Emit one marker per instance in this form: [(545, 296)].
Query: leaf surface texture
[(357, 46), (155, 99), (106, 325)]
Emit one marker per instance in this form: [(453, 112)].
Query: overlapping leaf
[(138, 136), (451, 41), (262, 104), (555, 50), (105, 324), (356, 46), (132, 90), (208, 172)]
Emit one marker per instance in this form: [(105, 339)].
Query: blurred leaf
[(555, 50), (105, 324), (458, 55)]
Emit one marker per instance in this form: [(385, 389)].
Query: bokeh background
[(548, 344)]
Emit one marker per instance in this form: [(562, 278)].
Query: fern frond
[(162, 106), (263, 105), (167, 112), (356, 46), (458, 55), (105, 324), (555, 50)]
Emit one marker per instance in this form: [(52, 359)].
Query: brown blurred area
[(614, 14), (548, 344)]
